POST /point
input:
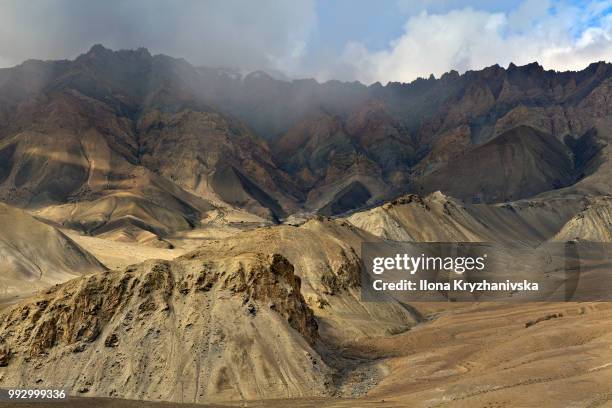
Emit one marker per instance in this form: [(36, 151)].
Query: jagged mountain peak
[(100, 51), (326, 139)]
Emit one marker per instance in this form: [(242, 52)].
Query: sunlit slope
[(437, 217), (34, 255), (195, 329)]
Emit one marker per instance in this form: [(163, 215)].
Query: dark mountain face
[(179, 138), (519, 163), (414, 137)]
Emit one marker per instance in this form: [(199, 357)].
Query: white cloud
[(439, 35), (242, 34), (557, 36)]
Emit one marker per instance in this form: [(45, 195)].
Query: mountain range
[(249, 198), (163, 135)]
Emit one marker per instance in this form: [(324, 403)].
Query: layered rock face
[(195, 329), (517, 164), (533, 130), (214, 157)]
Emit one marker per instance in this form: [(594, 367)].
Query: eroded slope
[(194, 329)]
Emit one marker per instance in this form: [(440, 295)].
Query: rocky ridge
[(189, 330)]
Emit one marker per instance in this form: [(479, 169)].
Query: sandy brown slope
[(438, 217), (34, 255), (485, 355), (122, 216)]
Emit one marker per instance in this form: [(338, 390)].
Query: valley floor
[(473, 355)]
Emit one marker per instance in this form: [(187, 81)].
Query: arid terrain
[(171, 234)]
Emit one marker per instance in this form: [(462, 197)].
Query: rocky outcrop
[(194, 329), (326, 256), (593, 223)]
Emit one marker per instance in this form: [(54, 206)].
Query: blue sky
[(373, 23), (384, 40)]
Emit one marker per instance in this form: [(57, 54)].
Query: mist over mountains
[(249, 198), (104, 123)]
